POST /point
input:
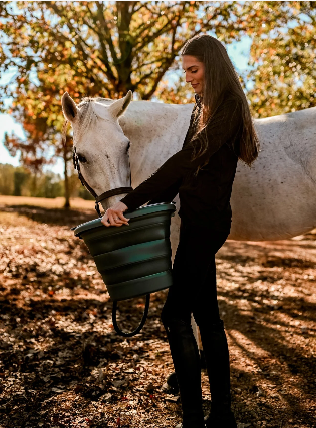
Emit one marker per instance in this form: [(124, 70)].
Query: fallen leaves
[(62, 365)]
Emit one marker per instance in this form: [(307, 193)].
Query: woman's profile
[(221, 131)]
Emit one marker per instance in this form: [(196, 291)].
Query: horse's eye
[(81, 158), (128, 145)]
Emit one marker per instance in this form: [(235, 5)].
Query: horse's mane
[(95, 99)]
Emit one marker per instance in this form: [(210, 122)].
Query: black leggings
[(194, 292), (194, 276)]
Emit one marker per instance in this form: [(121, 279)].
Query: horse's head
[(101, 146)]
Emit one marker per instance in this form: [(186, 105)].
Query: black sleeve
[(167, 195), (222, 128), (171, 192)]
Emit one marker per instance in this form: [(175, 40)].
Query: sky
[(237, 51)]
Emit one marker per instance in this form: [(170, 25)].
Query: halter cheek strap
[(104, 195)]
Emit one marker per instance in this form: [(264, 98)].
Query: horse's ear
[(117, 108), (70, 109)]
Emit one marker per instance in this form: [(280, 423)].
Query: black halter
[(104, 195)]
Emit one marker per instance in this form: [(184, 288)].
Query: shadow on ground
[(54, 216)]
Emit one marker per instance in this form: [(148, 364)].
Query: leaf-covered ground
[(62, 365)]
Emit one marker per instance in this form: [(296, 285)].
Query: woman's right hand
[(114, 215)]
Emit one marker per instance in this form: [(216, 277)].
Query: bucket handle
[(142, 322)]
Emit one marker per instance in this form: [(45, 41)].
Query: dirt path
[(63, 366)]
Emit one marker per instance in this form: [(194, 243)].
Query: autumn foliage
[(107, 48)]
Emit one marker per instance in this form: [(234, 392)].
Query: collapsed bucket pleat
[(101, 241), (133, 260)]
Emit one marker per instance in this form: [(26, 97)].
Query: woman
[(221, 132)]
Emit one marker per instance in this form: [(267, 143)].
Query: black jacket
[(205, 198)]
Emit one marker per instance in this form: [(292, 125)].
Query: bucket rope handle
[(142, 322)]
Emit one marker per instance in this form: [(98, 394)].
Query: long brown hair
[(220, 77)]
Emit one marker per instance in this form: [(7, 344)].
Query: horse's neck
[(156, 132)]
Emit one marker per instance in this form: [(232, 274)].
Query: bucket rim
[(138, 212)]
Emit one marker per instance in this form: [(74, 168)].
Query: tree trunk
[(66, 182)]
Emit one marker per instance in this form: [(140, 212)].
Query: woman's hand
[(114, 215)]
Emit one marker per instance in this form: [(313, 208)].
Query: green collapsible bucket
[(133, 260)]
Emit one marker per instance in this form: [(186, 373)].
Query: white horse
[(273, 200)]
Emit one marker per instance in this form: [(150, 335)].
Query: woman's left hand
[(114, 215)]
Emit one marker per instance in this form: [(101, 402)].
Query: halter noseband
[(104, 195)]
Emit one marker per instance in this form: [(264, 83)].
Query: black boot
[(221, 419), (217, 361), (186, 361), (172, 386)]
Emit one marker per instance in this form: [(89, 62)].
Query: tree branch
[(106, 31), (158, 78)]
